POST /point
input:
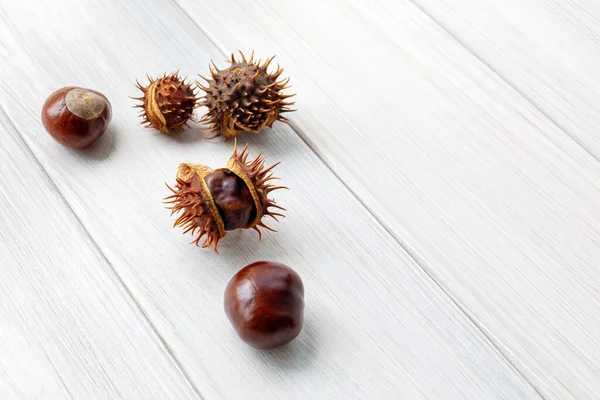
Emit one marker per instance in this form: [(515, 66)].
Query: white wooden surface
[(498, 204), (444, 227), (549, 49), (69, 329)]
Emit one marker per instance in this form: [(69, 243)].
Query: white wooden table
[(444, 210)]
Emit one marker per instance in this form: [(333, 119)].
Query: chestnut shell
[(264, 302), (244, 97), (167, 104), (67, 128)]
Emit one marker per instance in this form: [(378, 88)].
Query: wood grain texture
[(495, 201), (69, 328), (376, 326), (548, 49)]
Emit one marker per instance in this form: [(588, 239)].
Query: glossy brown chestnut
[(265, 304), (76, 117), (232, 198)]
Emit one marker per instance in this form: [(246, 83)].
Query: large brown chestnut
[(76, 117), (265, 303)]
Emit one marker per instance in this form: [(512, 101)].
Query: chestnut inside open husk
[(214, 202), (232, 198), (264, 302)]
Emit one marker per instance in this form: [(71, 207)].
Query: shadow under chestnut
[(103, 147), (297, 355)]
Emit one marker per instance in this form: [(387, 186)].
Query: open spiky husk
[(198, 211), (244, 97), (167, 103)]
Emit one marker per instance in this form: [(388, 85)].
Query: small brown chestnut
[(76, 117), (265, 303)]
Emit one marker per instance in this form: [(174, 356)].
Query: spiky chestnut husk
[(168, 103), (244, 97), (210, 203)]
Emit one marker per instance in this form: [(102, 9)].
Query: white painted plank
[(376, 325), (68, 327), (548, 49), (496, 202)]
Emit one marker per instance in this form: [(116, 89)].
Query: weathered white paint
[(68, 327), (499, 205), (548, 49), (495, 202), (376, 325)]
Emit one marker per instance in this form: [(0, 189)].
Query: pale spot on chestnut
[(85, 104)]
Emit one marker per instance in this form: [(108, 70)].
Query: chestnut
[(264, 302), (76, 117), (232, 198)]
